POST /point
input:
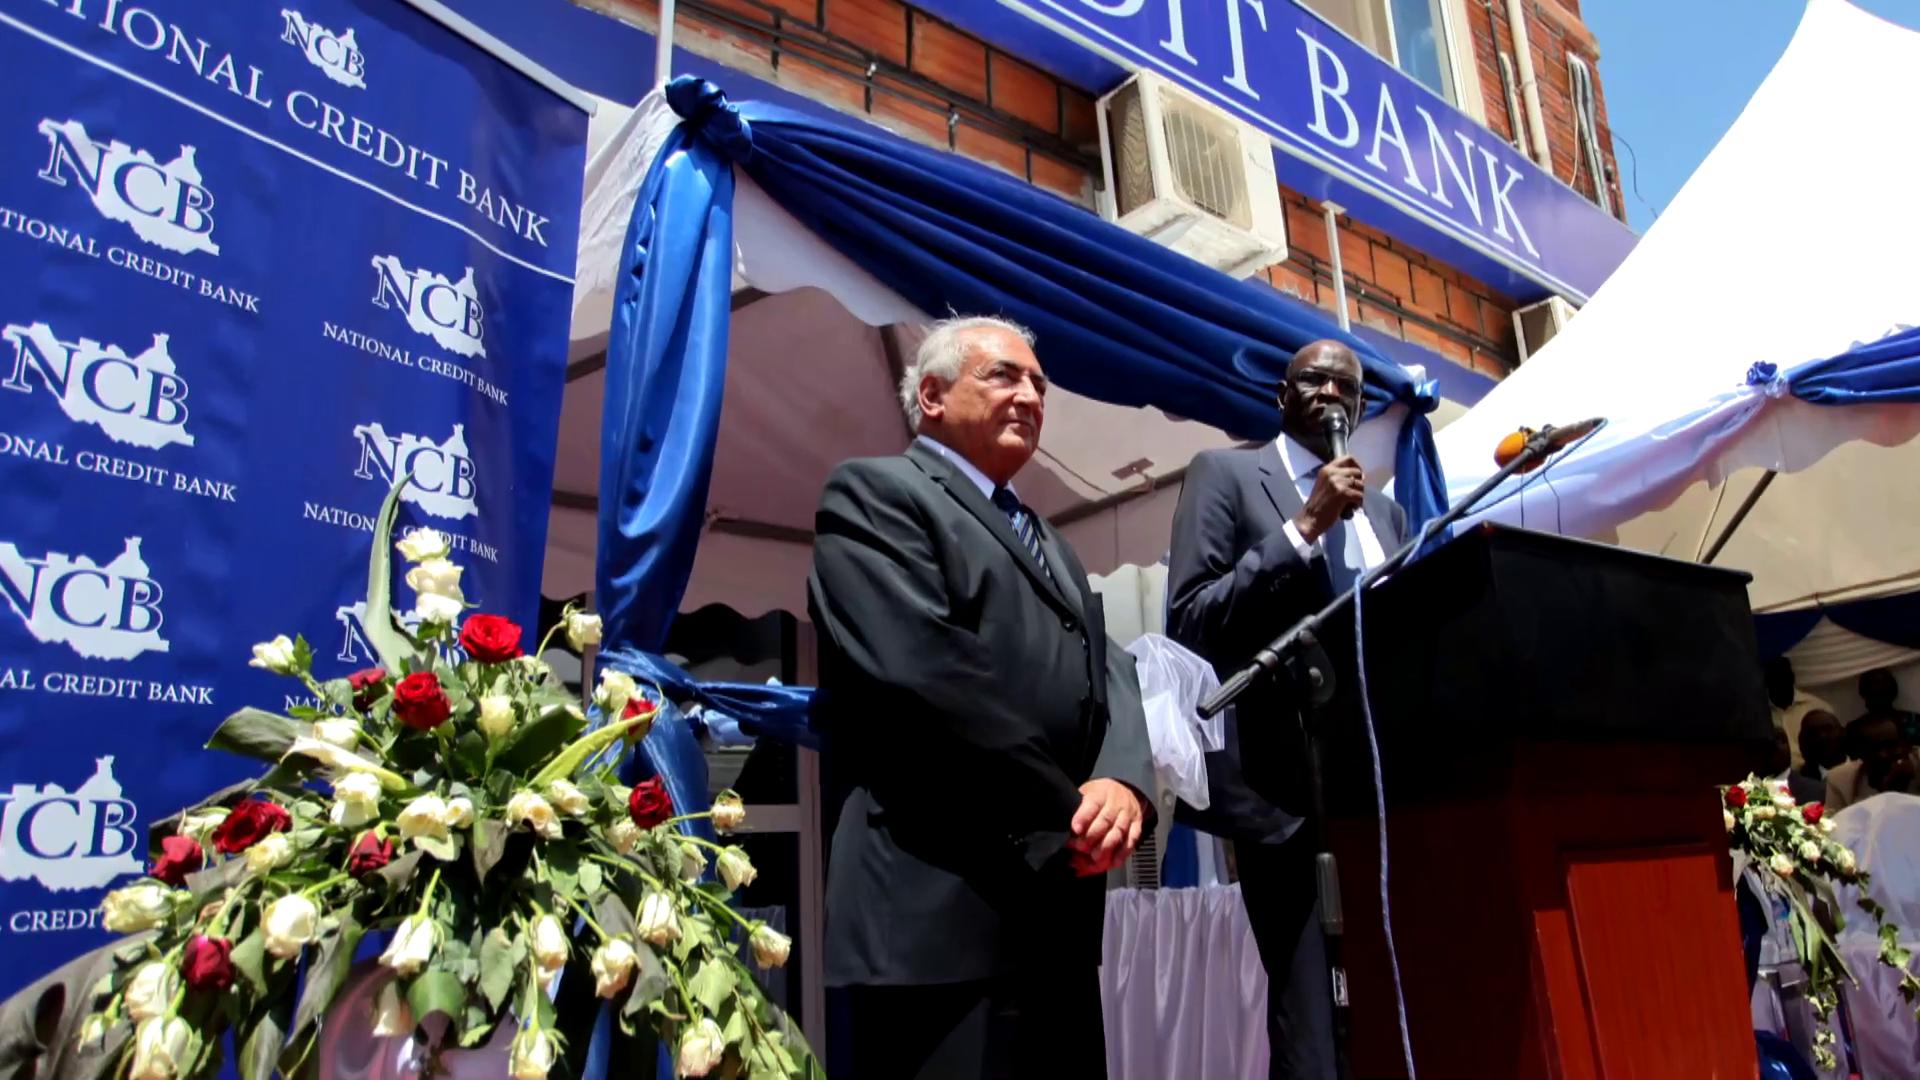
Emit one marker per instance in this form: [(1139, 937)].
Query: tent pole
[(663, 47), (1332, 212), (1706, 527), (1739, 515)]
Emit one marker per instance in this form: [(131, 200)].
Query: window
[(1411, 34)]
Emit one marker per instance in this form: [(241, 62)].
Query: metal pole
[(1331, 212), (1739, 516), (663, 47)]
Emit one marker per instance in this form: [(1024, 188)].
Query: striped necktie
[(1023, 527)]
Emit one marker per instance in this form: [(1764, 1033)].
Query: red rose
[(420, 703), (1812, 812), (248, 824), (650, 804), (179, 856), (490, 639), (1736, 796), (369, 854), (208, 964), (636, 707), (366, 685)]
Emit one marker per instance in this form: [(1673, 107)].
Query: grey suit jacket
[(965, 695), (1234, 583)]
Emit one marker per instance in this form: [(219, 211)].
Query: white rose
[(1810, 852), (150, 992), (583, 629), (419, 545), (532, 1055), (94, 1032), (701, 1048), (275, 656), (1781, 796), (327, 754), (736, 869), (770, 946), (438, 609), (658, 924), (568, 799), (1827, 825), (624, 835), (1781, 864), (613, 964), (356, 800), (1727, 815), (340, 731), (1764, 813), (1845, 860), (289, 924), (424, 816), (199, 826), (529, 807), (615, 690), (390, 1013), (729, 811), (436, 577), (693, 862), (496, 715), (136, 907), (162, 1049), (270, 854), (459, 812), (411, 947), (549, 946)]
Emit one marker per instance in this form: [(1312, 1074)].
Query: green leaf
[(444, 848), (540, 738), (249, 958), (261, 1041), (735, 1029), (398, 873), (256, 733), (389, 639), (488, 845), (712, 984), (436, 991), (590, 879), (563, 869), (501, 954), (327, 966)]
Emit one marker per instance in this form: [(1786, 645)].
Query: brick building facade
[(925, 79)]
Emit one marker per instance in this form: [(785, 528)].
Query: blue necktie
[(1023, 527)]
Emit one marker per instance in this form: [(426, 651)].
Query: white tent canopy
[(1814, 181), (813, 361)]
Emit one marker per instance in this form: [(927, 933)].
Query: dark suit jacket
[(965, 697), (1234, 583)]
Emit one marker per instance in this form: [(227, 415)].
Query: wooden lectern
[(1553, 716)]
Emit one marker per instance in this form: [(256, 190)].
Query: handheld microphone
[(1335, 424), (1551, 441)]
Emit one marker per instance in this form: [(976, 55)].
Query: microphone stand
[(1298, 650)]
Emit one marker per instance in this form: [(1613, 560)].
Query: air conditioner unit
[(1536, 324), (1188, 176)]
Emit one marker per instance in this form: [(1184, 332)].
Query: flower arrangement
[(457, 799), (1792, 848)]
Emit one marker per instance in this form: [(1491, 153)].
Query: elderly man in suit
[(992, 737), (1262, 537)]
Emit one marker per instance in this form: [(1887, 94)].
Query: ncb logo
[(442, 473), (82, 840), (109, 612), (167, 205), (139, 400), (336, 55), (446, 311)]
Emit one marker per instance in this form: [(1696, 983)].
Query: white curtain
[(1829, 653), (1182, 991), (1884, 833)]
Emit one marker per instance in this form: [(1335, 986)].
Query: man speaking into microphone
[(1263, 537)]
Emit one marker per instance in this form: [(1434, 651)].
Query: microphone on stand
[(1551, 440), (1334, 422)]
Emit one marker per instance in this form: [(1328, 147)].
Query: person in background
[(1822, 746), (1887, 762), (1790, 703), (1878, 690)]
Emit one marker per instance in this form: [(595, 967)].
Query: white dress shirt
[(1301, 464), (966, 468)]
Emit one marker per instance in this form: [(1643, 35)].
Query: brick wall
[(1554, 31), (929, 81)]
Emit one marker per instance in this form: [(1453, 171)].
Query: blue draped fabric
[(1892, 619), (1883, 372), (1778, 632)]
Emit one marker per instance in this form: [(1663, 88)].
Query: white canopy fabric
[(813, 362), (1813, 183)]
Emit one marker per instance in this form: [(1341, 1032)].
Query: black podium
[(1553, 716)]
